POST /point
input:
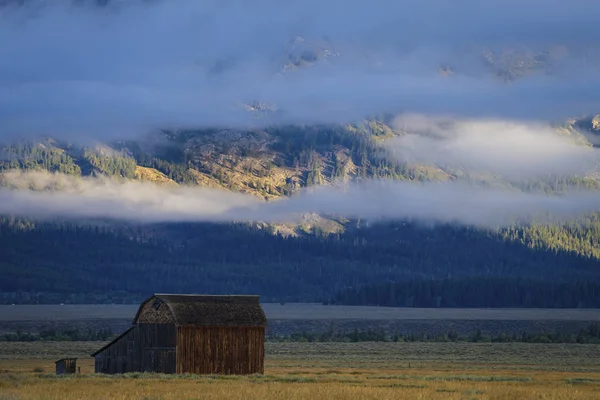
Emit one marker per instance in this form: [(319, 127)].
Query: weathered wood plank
[(220, 350)]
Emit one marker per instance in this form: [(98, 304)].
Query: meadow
[(326, 371), (363, 370)]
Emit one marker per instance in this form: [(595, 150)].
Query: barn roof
[(212, 310)]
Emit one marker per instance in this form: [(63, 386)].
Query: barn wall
[(157, 343), (220, 350), (119, 357), (145, 348)]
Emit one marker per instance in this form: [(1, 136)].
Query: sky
[(133, 66), (74, 70)]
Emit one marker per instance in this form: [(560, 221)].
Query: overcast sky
[(136, 65)]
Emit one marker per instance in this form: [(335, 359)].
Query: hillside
[(321, 259), (267, 163)]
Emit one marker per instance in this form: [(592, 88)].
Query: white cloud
[(515, 150), (44, 195)]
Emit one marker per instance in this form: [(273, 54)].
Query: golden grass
[(295, 378), (325, 371)]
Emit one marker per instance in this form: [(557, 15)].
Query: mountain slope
[(89, 261)]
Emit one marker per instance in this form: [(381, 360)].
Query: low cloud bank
[(44, 195), (514, 150)]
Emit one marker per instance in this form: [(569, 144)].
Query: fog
[(45, 195), (512, 149), (133, 66)]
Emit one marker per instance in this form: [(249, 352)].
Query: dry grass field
[(327, 371)]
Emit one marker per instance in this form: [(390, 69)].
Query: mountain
[(323, 258), (132, 65)]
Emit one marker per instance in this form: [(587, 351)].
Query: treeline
[(386, 264), (589, 335), (27, 155), (113, 165), (37, 297), (75, 335), (30, 156), (581, 236), (485, 291)]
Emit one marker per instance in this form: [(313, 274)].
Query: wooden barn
[(197, 334)]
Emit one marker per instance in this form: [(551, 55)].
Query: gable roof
[(211, 310)]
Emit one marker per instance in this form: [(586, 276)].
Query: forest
[(389, 264)]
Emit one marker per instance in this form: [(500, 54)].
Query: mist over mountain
[(224, 147), (132, 66)]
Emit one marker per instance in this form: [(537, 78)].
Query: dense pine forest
[(399, 264)]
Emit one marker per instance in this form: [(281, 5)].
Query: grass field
[(327, 371), (303, 311), (455, 371)]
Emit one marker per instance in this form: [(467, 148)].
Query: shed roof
[(212, 310)]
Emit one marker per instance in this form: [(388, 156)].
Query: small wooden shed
[(66, 366), (198, 334)]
